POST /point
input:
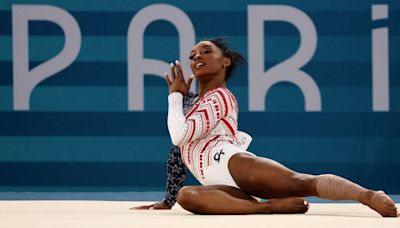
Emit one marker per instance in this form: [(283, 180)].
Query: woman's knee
[(187, 197), (303, 184)]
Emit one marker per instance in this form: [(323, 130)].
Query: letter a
[(137, 65)]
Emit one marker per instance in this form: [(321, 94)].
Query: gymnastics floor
[(116, 214)]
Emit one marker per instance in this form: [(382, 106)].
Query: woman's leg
[(221, 199), (266, 178)]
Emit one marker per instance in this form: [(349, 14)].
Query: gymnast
[(232, 178)]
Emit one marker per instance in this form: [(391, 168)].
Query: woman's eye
[(191, 57)]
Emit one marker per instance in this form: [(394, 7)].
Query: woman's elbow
[(176, 141)]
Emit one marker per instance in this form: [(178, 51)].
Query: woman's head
[(213, 56)]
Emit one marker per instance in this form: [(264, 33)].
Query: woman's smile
[(199, 65)]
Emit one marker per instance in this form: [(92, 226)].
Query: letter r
[(287, 71)]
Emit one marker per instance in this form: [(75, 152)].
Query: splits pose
[(232, 178)]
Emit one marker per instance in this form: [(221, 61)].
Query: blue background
[(79, 134)]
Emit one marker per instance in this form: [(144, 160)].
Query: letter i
[(380, 60)]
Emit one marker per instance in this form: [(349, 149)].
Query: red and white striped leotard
[(211, 122)]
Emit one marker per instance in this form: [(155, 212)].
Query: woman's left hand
[(177, 83), (155, 206)]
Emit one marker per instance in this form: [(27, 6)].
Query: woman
[(231, 177)]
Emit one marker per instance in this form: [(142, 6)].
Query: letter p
[(26, 80)]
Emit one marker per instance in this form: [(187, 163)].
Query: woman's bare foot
[(380, 202), (291, 205)]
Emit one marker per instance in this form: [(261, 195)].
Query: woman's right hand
[(177, 82), (154, 206)]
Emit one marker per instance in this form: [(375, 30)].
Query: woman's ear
[(227, 62)]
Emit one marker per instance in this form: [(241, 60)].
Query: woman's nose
[(197, 57)]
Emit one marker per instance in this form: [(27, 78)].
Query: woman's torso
[(217, 108)]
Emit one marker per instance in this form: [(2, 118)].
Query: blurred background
[(83, 110)]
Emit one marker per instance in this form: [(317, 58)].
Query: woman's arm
[(176, 173), (176, 170), (214, 107)]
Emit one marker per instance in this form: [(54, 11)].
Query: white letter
[(289, 70), (380, 61), (25, 80), (137, 65)]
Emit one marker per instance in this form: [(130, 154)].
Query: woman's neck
[(204, 87)]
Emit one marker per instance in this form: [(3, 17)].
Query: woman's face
[(207, 59)]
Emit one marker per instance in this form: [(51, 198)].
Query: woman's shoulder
[(221, 93), (226, 92), (220, 90)]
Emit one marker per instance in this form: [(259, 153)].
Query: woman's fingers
[(143, 207), (180, 74), (167, 79), (154, 206), (172, 67), (177, 82), (179, 70), (189, 81)]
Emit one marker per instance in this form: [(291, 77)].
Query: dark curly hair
[(236, 57)]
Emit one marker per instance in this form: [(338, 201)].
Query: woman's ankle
[(365, 197)]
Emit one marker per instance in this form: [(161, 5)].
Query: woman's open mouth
[(198, 65)]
